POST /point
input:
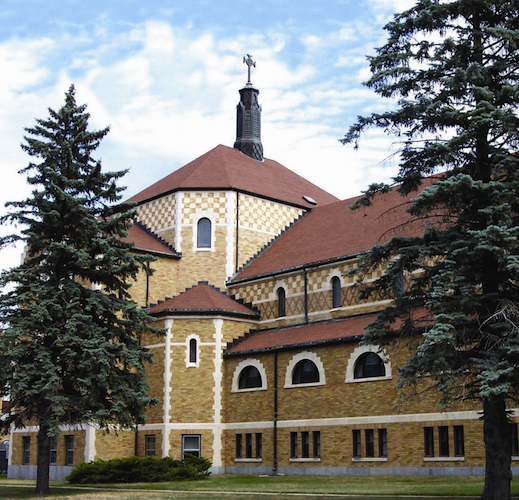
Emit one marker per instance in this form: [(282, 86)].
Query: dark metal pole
[(275, 467)]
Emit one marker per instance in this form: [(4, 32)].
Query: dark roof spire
[(248, 120)]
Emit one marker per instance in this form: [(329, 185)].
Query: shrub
[(140, 470)]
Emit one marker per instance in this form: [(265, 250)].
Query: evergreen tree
[(452, 70), (69, 346)]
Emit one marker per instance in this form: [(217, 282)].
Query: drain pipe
[(275, 466)]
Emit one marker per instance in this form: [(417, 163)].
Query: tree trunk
[(496, 432), (43, 461)]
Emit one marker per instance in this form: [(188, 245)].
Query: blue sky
[(165, 75)]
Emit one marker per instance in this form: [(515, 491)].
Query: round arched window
[(250, 378), (369, 365), (305, 372)]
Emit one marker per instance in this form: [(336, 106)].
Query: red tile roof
[(228, 168), (203, 299), (333, 231), (301, 335), (149, 242), (316, 333)]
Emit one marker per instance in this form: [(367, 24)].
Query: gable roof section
[(333, 232), (304, 335), (148, 242), (228, 168), (203, 299)]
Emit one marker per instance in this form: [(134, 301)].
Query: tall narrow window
[(305, 444), (459, 441), (204, 233), (69, 450), (357, 451), (239, 445), (370, 442), (281, 303), (248, 445), (192, 351), (293, 445), (336, 292), (53, 451), (26, 442), (149, 445), (382, 442), (316, 435), (428, 436), (259, 445), (444, 440)]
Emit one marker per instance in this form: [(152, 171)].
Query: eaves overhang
[(292, 269), (306, 207), (291, 347), (205, 312)]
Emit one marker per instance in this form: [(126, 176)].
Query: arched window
[(336, 292), (204, 233), (192, 351), (369, 365), (250, 378), (305, 372), (281, 302)]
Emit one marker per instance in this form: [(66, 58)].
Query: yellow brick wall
[(110, 445)]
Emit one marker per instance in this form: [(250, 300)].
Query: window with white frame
[(249, 375), (305, 369), (203, 233), (336, 292), (191, 444), (368, 363), (192, 351)]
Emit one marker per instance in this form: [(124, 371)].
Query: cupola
[(248, 119)]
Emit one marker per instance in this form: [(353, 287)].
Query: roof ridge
[(268, 245)]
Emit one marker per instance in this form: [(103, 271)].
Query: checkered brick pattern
[(266, 216), (206, 201), (158, 214)]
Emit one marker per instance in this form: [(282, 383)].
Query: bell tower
[(248, 120)]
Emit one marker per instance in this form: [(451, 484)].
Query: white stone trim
[(237, 372), (299, 357), (315, 459), (369, 459), (218, 393), (168, 324), (190, 364), (443, 459), (179, 208), (335, 273), (274, 296), (90, 443), (355, 355), (204, 215)]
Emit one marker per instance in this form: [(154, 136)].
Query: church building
[(262, 370)]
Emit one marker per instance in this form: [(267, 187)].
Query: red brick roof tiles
[(301, 335), (147, 242), (228, 168), (332, 231), (202, 299)]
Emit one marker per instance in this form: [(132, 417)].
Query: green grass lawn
[(233, 487)]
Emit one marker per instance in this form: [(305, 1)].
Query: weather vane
[(249, 62)]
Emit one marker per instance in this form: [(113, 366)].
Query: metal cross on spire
[(249, 62)]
